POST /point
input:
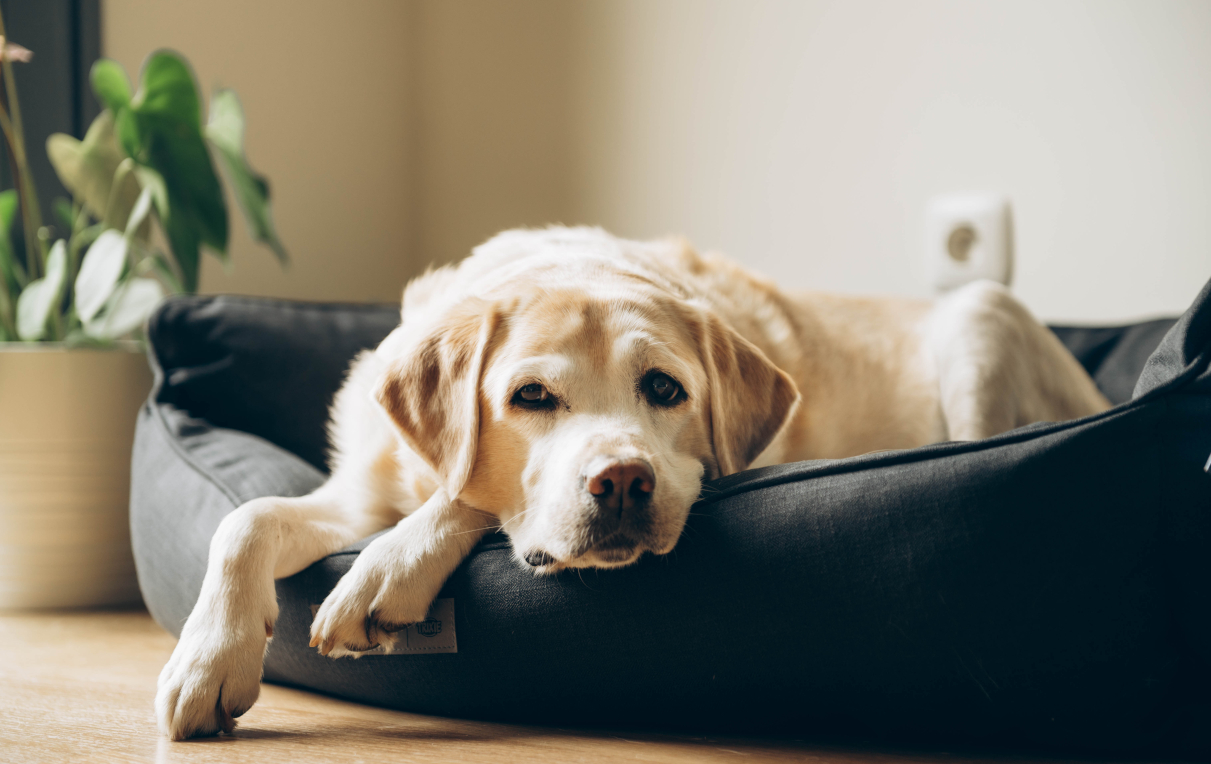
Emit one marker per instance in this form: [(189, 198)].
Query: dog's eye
[(533, 396), (662, 390), (533, 393)]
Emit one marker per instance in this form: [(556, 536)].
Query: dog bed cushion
[(1046, 587)]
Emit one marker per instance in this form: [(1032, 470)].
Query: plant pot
[(67, 420)]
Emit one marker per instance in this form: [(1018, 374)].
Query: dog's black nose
[(619, 484), (538, 558)]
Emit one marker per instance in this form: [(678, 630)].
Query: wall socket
[(968, 237)]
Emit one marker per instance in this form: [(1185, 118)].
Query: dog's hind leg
[(214, 673), (998, 368)]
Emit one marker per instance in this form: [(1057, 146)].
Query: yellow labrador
[(575, 389)]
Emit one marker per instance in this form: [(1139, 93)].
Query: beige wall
[(493, 121), (803, 138), (806, 137), (326, 93)]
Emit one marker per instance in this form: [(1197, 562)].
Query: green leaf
[(8, 322), (99, 274), (182, 235), (12, 275), (225, 130), (138, 213), (162, 131), (166, 88), (88, 235), (127, 310), (193, 188), (87, 168), (154, 182), (42, 296), (110, 84), (186, 249), (126, 129), (9, 201)]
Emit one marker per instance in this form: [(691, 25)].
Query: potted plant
[(74, 297)]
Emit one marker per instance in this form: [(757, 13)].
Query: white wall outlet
[(968, 237)]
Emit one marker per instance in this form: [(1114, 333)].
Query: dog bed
[(1046, 587)]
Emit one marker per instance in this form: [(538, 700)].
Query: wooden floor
[(78, 686)]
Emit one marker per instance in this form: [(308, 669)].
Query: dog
[(575, 390)]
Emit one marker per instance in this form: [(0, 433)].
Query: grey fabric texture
[(1044, 588), (1114, 356)]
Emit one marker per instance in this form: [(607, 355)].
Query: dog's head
[(586, 417)]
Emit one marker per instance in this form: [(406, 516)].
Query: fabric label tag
[(435, 634)]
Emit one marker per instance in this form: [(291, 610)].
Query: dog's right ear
[(431, 391)]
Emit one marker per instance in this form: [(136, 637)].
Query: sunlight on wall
[(802, 138)]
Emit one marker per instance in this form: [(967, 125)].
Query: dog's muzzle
[(617, 492)]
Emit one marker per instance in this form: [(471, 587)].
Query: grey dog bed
[(1046, 587)]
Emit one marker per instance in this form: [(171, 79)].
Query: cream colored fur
[(429, 439)]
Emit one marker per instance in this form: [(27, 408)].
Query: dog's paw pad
[(389, 627), (371, 605), (207, 683)]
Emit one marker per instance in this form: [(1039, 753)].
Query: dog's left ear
[(751, 398), (432, 391)]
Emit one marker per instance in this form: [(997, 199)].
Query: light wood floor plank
[(78, 686)]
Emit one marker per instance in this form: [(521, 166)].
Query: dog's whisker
[(518, 516), (476, 530)]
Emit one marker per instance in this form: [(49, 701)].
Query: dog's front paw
[(213, 676), (370, 605)]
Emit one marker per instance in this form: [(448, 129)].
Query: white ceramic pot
[(67, 420)]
